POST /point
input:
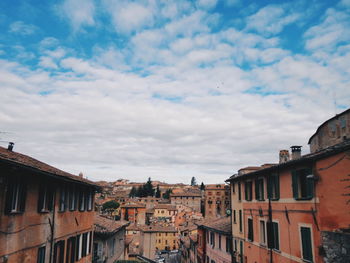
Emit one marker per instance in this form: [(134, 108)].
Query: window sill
[(15, 213), (303, 198), (44, 211), (277, 251)]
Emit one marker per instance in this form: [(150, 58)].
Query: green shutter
[(275, 234), (22, 196), (306, 243), (270, 240), (277, 184), (295, 184), (310, 184), (257, 197), (270, 180), (9, 194)]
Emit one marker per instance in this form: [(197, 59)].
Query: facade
[(188, 198), (216, 237), (331, 132), (109, 240), (135, 213), (295, 211), (216, 200), (46, 215), (158, 238), (165, 212)]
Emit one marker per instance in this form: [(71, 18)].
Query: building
[(190, 199), (214, 241), (165, 212), (157, 238), (297, 210), (217, 200), (135, 213), (109, 240), (46, 215)]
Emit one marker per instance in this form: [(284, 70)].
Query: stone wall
[(336, 247)]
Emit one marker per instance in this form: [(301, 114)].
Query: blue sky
[(169, 89)]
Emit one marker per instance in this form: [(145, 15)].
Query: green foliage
[(126, 261), (158, 193), (145, 190), (110, 205), (133, 192), (193, 181), (202, 186), (167, 193)]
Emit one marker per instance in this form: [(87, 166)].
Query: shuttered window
[(15, 195), (272, 235), (46, 193), (302, 184), (273, 187), (41, 255), (259, 189), (306, 243), (250, 230), (248, 191), (240, 221), (239, 191), (58, 254), (70, 255)]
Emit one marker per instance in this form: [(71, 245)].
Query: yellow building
[(165, 211), (156, 238)]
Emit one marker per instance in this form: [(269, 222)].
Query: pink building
[(218, 240)]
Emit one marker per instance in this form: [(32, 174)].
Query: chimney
[(296, 152), (81, 175), (284, 156), (10, 147)]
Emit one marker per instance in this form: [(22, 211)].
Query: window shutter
[(295, 184), (40, 197), (306, 243), (309, 184), (275, 235), (23, 195), (270, 236), (50, 197), (9, 194), (270, 180), (277, 185), (256, 182)]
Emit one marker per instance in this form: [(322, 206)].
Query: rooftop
[(107, 226), (158, 229), (27, 162), (222, 225)]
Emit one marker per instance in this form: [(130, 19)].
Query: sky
[(169, 89)]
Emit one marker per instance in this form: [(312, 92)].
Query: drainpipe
[(52, 226)]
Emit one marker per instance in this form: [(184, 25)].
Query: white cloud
[(47, 62), (206, 4), (21, 28), (80, 13), (128, 16), (270, 20)]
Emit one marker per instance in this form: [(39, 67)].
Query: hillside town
[(294, 209)]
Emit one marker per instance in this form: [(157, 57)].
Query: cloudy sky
[(169, 89)]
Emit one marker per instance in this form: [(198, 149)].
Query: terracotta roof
[(133, 205), (105, 225), (332, 150), (133, 227), (222, 225), (158, 229), (25, 161), (165, 206), (186, 194)]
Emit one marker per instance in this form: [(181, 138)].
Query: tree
[(202, 186), (193, 181), (167, 193), (158, 193), (133, 192), (110, 205), (148, 188)]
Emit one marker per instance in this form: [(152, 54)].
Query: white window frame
[(262, 232)]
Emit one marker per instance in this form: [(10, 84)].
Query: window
[(41, 255), (85, 245), (89, 200), (78, 247), (248, 190), (233, 187), (70, 254), (250, 230), (234, 217), (72, 201), (46, 194), (212, 239), (241, 251), (63, 199), (306, 243), (219, 241), (240, 221), (273, 187), (273, 235), (262, 232), (303, 187), (58, 253), (15, 195), (236, 245), (81, 200), (239, 191), (259, 189), (212, 261), (228, 244)]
